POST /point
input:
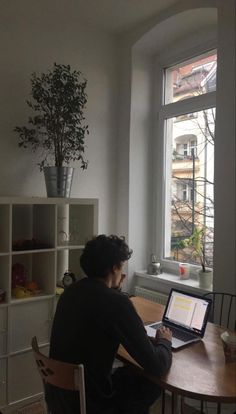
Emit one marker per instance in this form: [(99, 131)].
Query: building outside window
[(188, 119)]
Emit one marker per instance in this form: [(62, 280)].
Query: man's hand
[(164, 333)]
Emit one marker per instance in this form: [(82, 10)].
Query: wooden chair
[(223, 314), (223, 309), (61, 374)]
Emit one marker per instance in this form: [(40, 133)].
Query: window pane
[(190, 186), (191, 78)]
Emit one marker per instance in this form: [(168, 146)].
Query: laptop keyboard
[(182, 336)]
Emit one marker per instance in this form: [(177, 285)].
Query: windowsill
[(172, 280)]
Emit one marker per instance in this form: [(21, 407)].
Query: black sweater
[(90, 323)]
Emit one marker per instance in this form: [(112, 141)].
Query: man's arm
[(154, 355)]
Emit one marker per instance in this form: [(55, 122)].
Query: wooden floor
[(193, 407), (156, 408), (35, 408), (38, 407)]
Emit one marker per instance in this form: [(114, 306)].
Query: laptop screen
[(187, 311)]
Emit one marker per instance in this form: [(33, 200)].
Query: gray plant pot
[(205, 278), (58, 181)]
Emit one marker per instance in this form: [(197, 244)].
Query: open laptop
[(186, 315)]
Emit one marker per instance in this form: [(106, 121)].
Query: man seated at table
[(92, 319)]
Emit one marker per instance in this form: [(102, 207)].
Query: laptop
[(186, 315)]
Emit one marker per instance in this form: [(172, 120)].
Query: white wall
[(140, 162), (34, 35)]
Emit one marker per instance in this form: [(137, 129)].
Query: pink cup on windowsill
[(184, 271)]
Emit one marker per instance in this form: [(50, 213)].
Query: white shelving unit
[(46, 236)]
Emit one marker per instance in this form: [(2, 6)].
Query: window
[(185, 149), (193, 148), (187, 116), (192, 78), (184, 191)]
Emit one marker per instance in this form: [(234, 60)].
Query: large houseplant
[(57, 127), (196, 243)]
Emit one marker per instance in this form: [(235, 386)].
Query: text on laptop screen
[(186, 311)]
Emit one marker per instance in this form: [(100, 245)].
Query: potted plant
[(196, 243), (57, 128)]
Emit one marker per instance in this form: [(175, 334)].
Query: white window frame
[(165, 111)]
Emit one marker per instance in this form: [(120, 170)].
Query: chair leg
[(163, 402), (218, 408), (174, 402)]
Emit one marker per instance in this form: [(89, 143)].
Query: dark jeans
[(133, 394)]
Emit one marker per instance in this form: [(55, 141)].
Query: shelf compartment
[(19, 365), (4, 276), (75, 224), (34, 318), (81, 223), (3, 382), (69, 260), (3, 331), (33, 227), (4, 228), (39, 268)]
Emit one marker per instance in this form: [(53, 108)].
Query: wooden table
[(198, 371)]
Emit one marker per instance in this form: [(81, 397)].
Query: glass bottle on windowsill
[(154, 267)]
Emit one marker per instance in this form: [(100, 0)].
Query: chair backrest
[(223, 309), (61, 374)]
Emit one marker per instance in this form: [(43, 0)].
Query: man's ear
[(114, 268)]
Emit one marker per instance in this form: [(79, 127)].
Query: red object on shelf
[(18, 275)]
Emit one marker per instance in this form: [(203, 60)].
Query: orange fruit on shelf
[(32, 286)]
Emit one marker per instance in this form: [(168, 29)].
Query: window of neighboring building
[(189, 155), (194, 77), (185, 149), (184, 191), (193, 148)]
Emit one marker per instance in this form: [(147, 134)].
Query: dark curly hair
[(102, 253)]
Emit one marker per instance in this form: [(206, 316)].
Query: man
[(92, 319)]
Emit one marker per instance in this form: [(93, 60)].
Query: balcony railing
[(179, 157)]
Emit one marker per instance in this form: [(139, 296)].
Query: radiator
[(151, 295)]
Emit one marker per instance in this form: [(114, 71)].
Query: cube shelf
[(40, 239)]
